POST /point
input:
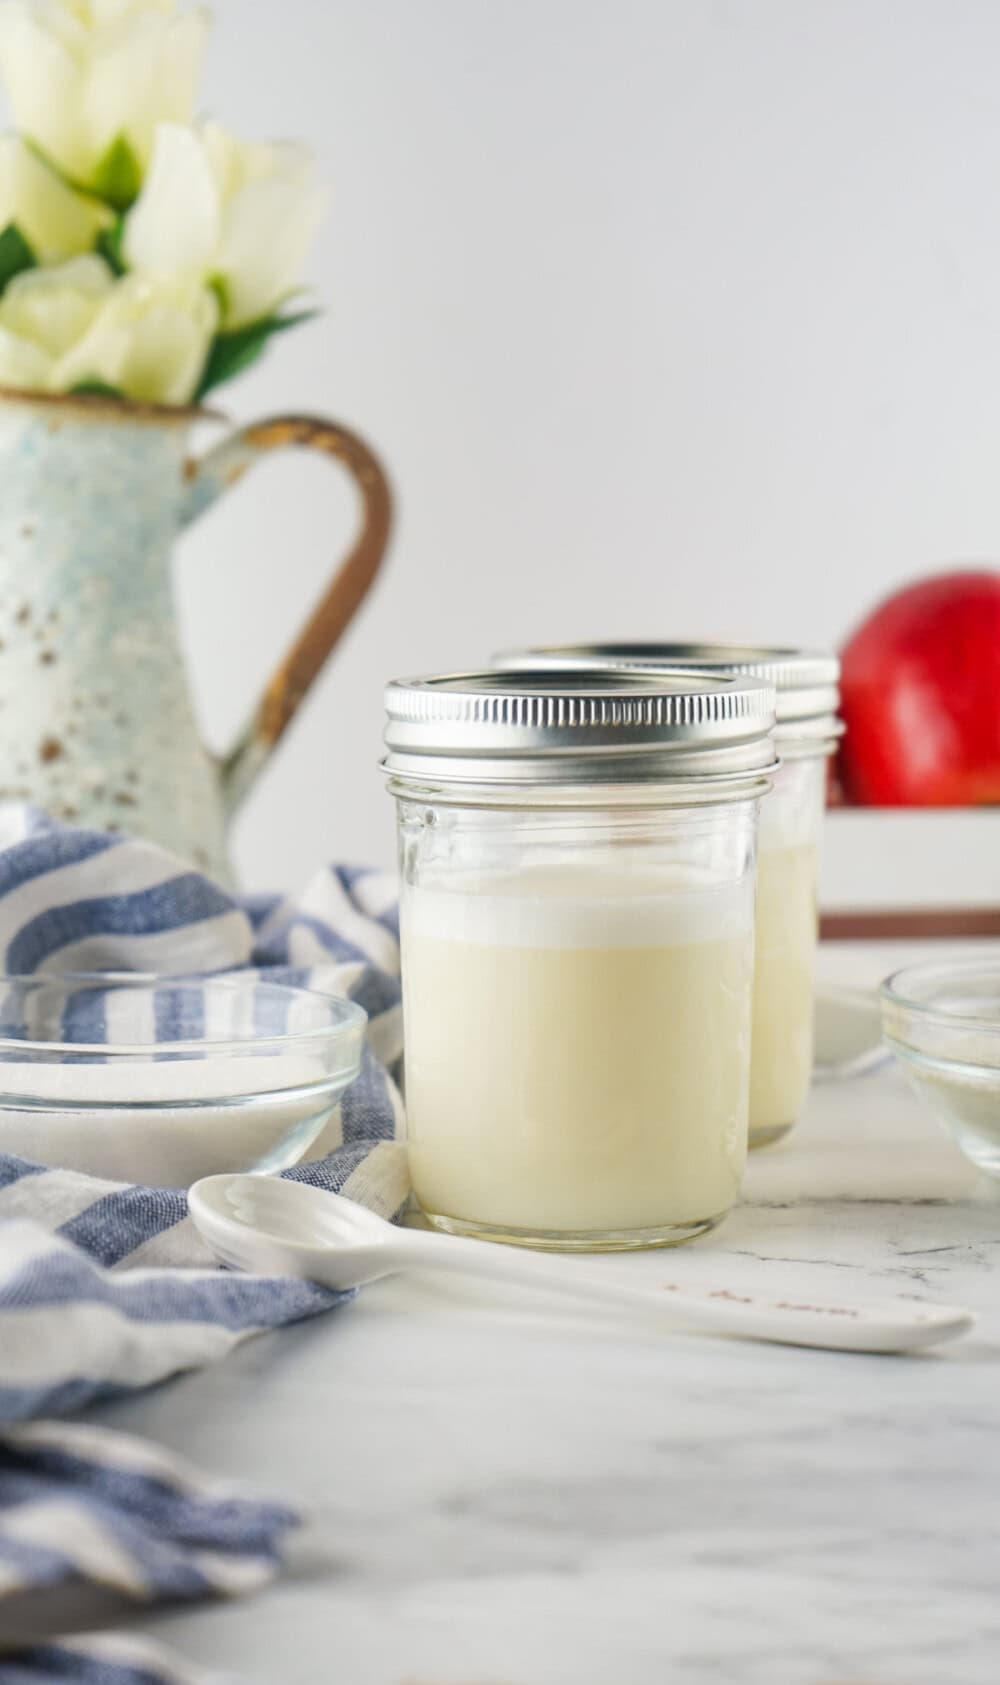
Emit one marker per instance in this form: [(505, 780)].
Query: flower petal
[(173, 229), (53, 308), (56, 222), (268, 230), (166, 356), (43, 79), (22, 365), (180, 68)]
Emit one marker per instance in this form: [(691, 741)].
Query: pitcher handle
[(219, 469)]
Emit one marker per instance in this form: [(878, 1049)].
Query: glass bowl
[(942, 1021), (161, 1080)]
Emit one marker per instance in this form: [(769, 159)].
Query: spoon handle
[(796, 1319)]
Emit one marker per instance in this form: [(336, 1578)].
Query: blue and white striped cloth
[(106, 1287), (102, 1658), (86, 1508)]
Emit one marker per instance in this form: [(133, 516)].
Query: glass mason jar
[(789, 849), (577, 912)]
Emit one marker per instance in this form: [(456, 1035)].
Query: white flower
[(76, 325), (149, 340), (84, 76), (214, 209), (50, 310), (56, 222)]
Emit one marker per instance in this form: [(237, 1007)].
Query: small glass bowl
[(160, 1080), (942, 1021)]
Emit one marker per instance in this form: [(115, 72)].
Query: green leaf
[(109, 245), (221, 288), (15, 254), (118, 176), (96, 389), (231, 353)]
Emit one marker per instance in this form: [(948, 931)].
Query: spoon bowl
[(261, 1224)]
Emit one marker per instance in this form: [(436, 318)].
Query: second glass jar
[(791, 822)]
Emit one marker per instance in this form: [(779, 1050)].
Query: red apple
[(921, 697)]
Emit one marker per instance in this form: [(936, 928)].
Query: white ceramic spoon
[(271, 1227)]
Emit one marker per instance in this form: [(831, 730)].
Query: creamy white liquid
[(164, 1123), (783, 1014), (784, 980), (577, 1051)]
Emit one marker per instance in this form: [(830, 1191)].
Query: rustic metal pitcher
[(96, 722)]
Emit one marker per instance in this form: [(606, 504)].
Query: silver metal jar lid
[(806, 680), (698, 736)]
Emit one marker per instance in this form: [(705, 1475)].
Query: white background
[(671, 318)]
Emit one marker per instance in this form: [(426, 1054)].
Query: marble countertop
[(502, 1493)]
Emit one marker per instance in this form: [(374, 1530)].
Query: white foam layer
[(580, 907)]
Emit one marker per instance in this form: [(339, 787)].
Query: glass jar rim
[(468, 790)]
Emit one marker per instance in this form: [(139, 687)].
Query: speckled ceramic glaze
[(96, 723)]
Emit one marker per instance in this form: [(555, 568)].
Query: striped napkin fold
[(84, 1315), (106, 1288), (102, 1658), (87, 1508)]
